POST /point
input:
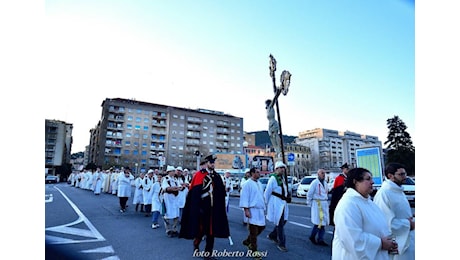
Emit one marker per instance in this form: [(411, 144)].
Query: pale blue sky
[(352, 62)]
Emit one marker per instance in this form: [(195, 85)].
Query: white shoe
[(154, 226)]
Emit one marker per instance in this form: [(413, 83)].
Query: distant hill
[(262, 138)]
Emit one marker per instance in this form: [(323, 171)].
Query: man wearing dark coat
[(204, 213)]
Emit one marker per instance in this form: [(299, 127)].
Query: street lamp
[(198, 155), (245, 146)]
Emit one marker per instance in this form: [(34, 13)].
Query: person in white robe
[(98, 178), (317, 198), (114, 181), (228, 188), (89, 179), (361, 231), (138, 198), (124, 188), (147, 184), (184, 184), (171, 191), (157, 199), (391, 200), (106, 182), (275, 195), (253, 203), (242, 182)]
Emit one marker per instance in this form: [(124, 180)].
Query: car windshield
[(307, 180), (409, 181), (263, 180)]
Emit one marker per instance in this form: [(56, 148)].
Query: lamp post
[(198, 155), (245, 147)]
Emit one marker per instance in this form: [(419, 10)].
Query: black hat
[(210, 158), (344, 166)]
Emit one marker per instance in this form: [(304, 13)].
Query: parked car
[(51, 178), (304, 186), (263, 181), (409, 190)]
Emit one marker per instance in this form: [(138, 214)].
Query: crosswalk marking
[(87, 235)]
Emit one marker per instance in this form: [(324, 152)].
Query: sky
[(352, 62)]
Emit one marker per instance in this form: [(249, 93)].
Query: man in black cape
[(204, 213)]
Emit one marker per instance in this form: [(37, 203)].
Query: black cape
[(198, 213)]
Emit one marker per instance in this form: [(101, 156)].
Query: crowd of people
[(195, 206)]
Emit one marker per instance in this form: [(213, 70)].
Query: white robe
[(252, 197), (359, 225), (182, 194), (124, 185), (228, 189), (391, 200), (317, 199), (172, 208), (157, 198), (147, 183), (98, 179), (138, 194), (275, 205)]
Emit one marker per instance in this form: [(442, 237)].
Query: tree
[(400, 148)]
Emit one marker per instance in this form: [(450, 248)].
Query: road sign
[(291, 159)]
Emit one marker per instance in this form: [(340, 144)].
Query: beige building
[(144, 135), (331, 148), (58, 144)]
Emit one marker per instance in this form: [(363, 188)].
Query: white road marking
[(106, 249), (92, 234)]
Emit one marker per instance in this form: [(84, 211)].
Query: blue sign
[(291, 157)]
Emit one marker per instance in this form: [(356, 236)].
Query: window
[(129, 126), (126, 151), (130, 118), (146, 128), (137, 127), (127, 143), (138, 119)]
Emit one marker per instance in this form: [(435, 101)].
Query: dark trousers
[(123, 201), (254, 231), (209, 243), (278, 232), (319, 231)]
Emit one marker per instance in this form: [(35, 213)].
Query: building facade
[(331, 148), (58, 144), (144, 135)]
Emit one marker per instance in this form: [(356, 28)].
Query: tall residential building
[(58, 144), (144, 135), (331, 148)]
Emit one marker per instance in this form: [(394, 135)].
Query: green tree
[(399, 145)]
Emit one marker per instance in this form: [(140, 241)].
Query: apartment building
[(58, 144), (144, 135), (331, 148)]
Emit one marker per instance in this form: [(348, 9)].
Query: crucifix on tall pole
[(274, 127)]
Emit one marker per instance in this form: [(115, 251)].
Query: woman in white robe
[(138, 198), (124, 188), (98, 179), (147, 184), (157, 199), (361, 231)]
